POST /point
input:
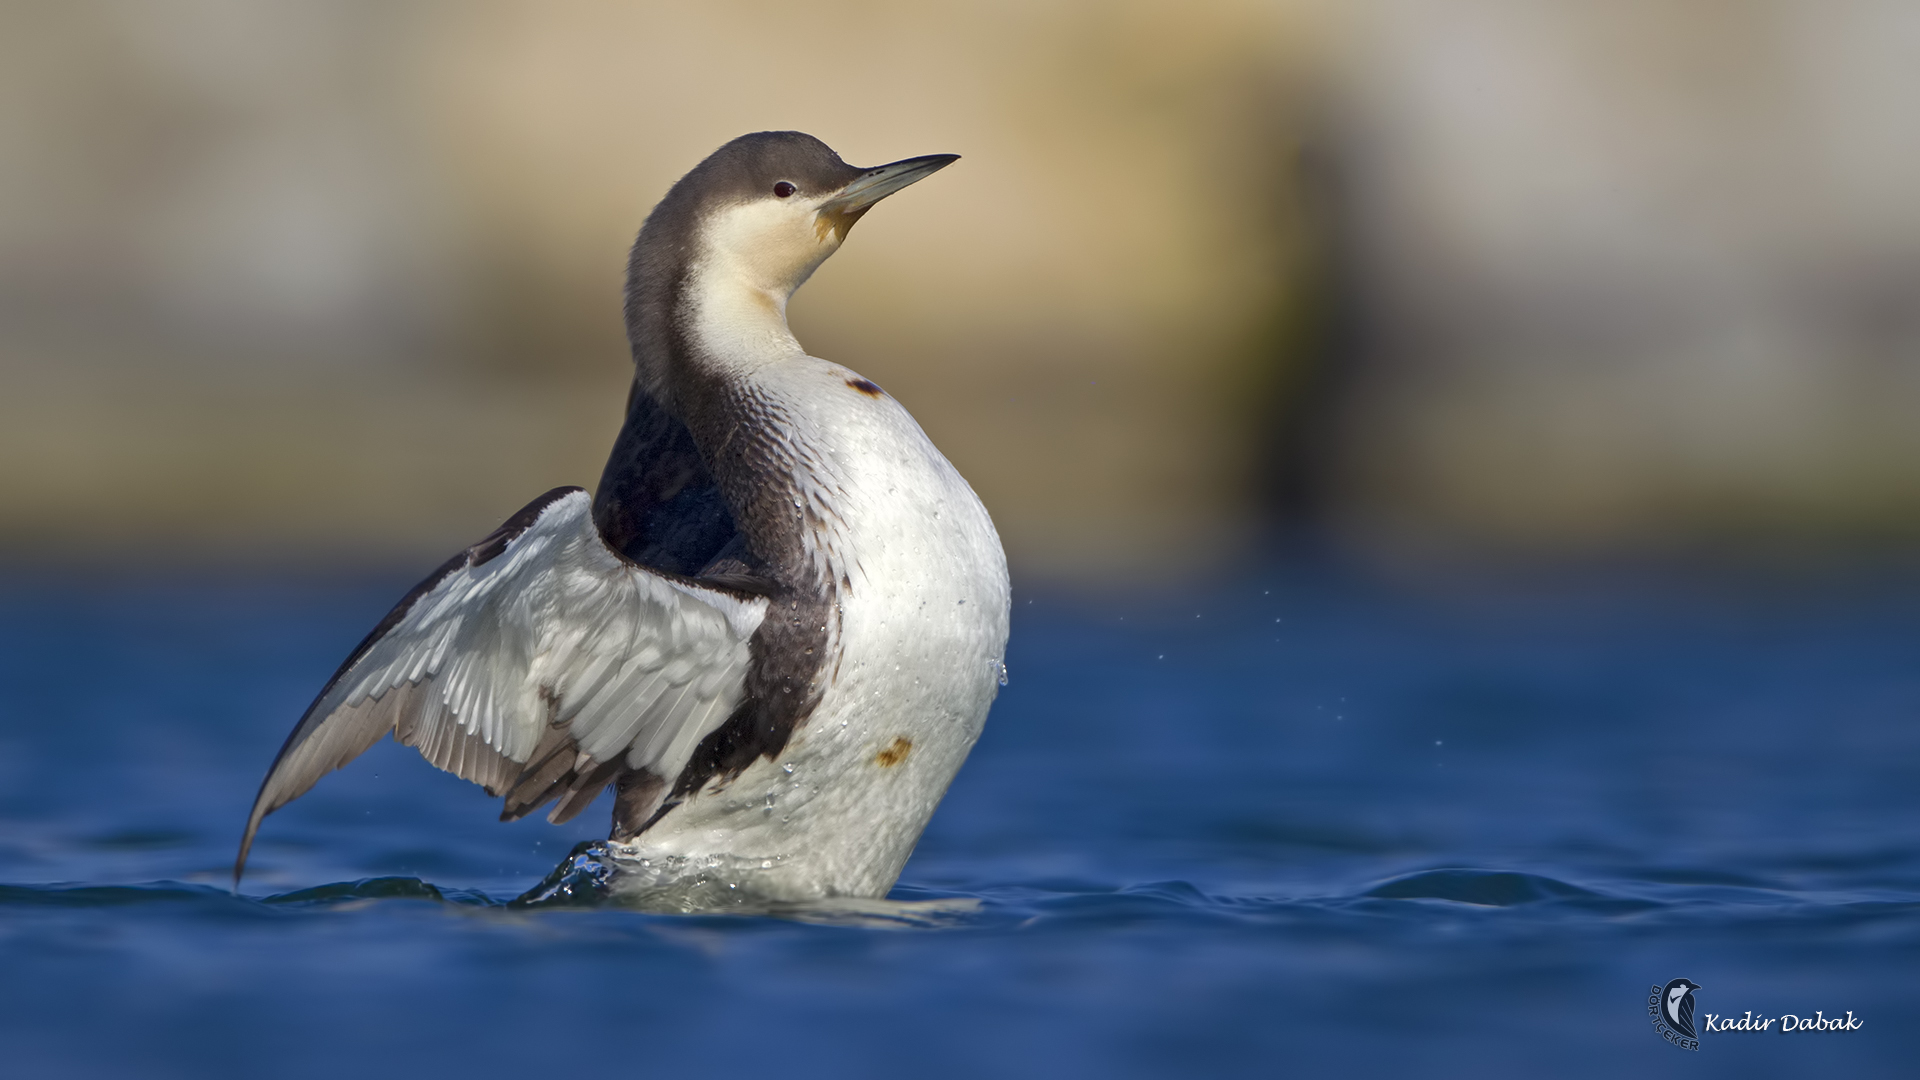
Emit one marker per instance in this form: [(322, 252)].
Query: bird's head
[(765, 210), (1677, 991)]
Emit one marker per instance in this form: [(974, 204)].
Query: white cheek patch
[(767, 245), (751, 256)]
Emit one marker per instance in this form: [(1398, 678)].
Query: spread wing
[(537, 663)]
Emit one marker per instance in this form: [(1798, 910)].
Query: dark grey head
[(759, 214), (753, 166)]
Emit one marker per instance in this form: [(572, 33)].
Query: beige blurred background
[(325, 281)]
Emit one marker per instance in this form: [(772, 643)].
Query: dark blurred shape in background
[(339, 282)]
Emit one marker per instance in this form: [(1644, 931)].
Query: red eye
[(783, 189)]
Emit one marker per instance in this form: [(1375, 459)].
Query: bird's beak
[(840, 212)]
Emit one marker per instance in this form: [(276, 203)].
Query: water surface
[(1295, 823)]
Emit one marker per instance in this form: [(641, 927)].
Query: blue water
[(1297, 823)]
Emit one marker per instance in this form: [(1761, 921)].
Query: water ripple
[(1414, 898)]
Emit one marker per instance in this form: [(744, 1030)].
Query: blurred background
[(287, 282)]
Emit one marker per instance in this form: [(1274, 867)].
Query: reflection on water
[(1295, 820)]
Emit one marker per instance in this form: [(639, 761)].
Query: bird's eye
[(783, 189)]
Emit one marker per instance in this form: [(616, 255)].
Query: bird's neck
[(701, 327), (733, 324)]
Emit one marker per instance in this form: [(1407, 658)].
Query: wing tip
[(240, 860), (254, 818)]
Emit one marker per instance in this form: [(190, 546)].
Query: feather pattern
[(539, 664)]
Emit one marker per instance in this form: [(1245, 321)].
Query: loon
[(774, 630)]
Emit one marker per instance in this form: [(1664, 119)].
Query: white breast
[(913, 664)]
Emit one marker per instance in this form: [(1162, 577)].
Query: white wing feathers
[(537, 660)]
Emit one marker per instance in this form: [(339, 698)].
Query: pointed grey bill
[(878, 183)]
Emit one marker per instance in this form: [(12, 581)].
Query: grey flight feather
[(539, 664)]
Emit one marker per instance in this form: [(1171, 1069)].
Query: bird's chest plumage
[(914, 611), (920, 582)]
